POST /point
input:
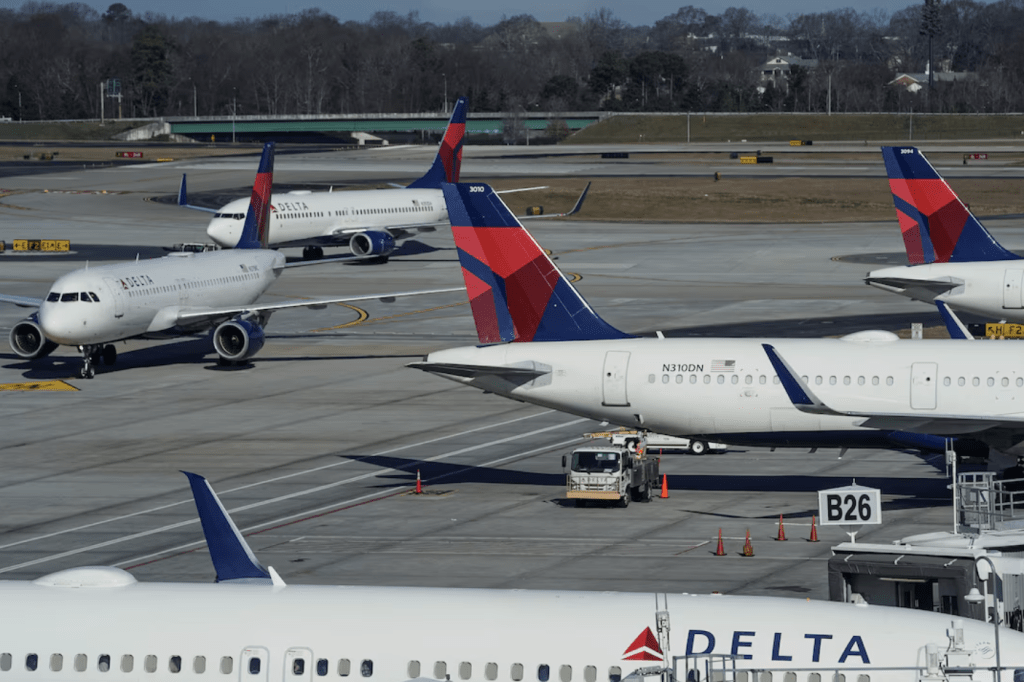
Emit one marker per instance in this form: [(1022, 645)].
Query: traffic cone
[(721, 549), (781, 537), (814, 531), (664, 486), (748, 549), (419, 484)]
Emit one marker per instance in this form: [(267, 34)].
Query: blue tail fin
[(256, 231), (936, 226), (448, 162), (231, 555), (515, 291)]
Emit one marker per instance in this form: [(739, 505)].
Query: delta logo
[(644, 648)]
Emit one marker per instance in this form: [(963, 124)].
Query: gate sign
[(853, 505)]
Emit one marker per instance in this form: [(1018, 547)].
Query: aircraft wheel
[(109, 354), (648, 493), (698, 447)]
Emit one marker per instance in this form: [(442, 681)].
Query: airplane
[(542, 343), (252, 625), (369, 222), (953, 258), (179, 294)]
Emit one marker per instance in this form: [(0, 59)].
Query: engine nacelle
[(372, 243), (238, 340), (28, 341)]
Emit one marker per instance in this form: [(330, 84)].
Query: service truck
[(661, 443), (613, 473)]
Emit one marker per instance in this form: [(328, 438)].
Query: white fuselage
[(993, 289), (331, 218), (727, 390), (143, 298), (174, 631)]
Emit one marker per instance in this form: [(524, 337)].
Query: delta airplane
[(953, 258), (251, 625), (542, 343), (179, 294)]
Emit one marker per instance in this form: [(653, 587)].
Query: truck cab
[(612, 473)]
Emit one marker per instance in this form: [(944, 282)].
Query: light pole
[(983, 574), (195, 102), (234, 115), (19, 102), (445, 92)]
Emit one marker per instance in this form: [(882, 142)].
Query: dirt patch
[(58, 151)]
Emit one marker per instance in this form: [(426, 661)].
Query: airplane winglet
[(575, 209), (956, 328), (579, 202), (799, 393), (232, 557), (183, 199)]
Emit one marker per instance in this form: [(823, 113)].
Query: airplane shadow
[(919, 492)]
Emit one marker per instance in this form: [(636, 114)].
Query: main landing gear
[(312, 253), (93, 355)]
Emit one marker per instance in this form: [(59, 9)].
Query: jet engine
[(28, 341), (372, 243), (238, 340)]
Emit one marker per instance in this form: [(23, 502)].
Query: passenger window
[(776, 380), (735, 379), (693, 378), (298, 666), (679, 378), (863, 678), (749, 379), (322, 666), (888, 381), (707, 378), (946, 381), (814, 677), (860, 381), (81, 662), (838, 677), (976, 381), (465, 670), (440, 670), (5, 662), (1020, 382), (615, 674), (817, 381), (414, 669), (721, 378), (103, 663), (56, 662), (874, 381), (517, 672), (127, 663), (991, 382), (227, 664), (846, 381), (53, 297), (789, 677), (254, 665), (199, 665), (543, 672), (961, 381), (650, 378), (664, 378), (590, 674), (31, 662), (765, 677), (491, 671), (344, 667), (762, 380), (1006, 381), (150, 664), (174, 664), (366, 668), (565, 673)]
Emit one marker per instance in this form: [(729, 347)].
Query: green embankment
[(628, 128), (67, 131)]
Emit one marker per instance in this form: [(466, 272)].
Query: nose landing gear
[(92, 355)]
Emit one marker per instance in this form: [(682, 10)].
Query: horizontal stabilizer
[(899, 284), (473, 371), (232, 557)]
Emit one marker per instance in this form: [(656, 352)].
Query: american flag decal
[(723, 365)]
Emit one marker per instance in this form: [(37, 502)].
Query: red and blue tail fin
[(936, 226), (515, 291), (255, 232), (448, 162)]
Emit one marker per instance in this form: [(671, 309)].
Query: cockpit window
[(53, 297), (94, 297), (230, 216), (85, 297), (73, 296)]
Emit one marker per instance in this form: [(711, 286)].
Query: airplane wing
[(938, 424), (898, 284), (21, 301), (191, 315), (183, 199), (575, 209)]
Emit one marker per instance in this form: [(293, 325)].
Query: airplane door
[(1012, 288), (298, 665), (923, 380), (616, 362), (254, 664), (117, 293)]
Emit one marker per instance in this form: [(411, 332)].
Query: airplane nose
[(60, 327), (223, 232)]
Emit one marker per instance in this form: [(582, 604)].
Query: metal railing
[(984, 503)]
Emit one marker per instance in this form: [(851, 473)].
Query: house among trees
[(915, 82), (777, 71)]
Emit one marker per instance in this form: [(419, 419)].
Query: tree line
[(54, 57)]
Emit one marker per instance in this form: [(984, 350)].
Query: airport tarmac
[(315, 446)]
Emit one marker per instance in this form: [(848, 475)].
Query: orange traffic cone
[(781, 537), (419, 484), (721, 549), (748, 549), (664, 486), (814, 531)]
